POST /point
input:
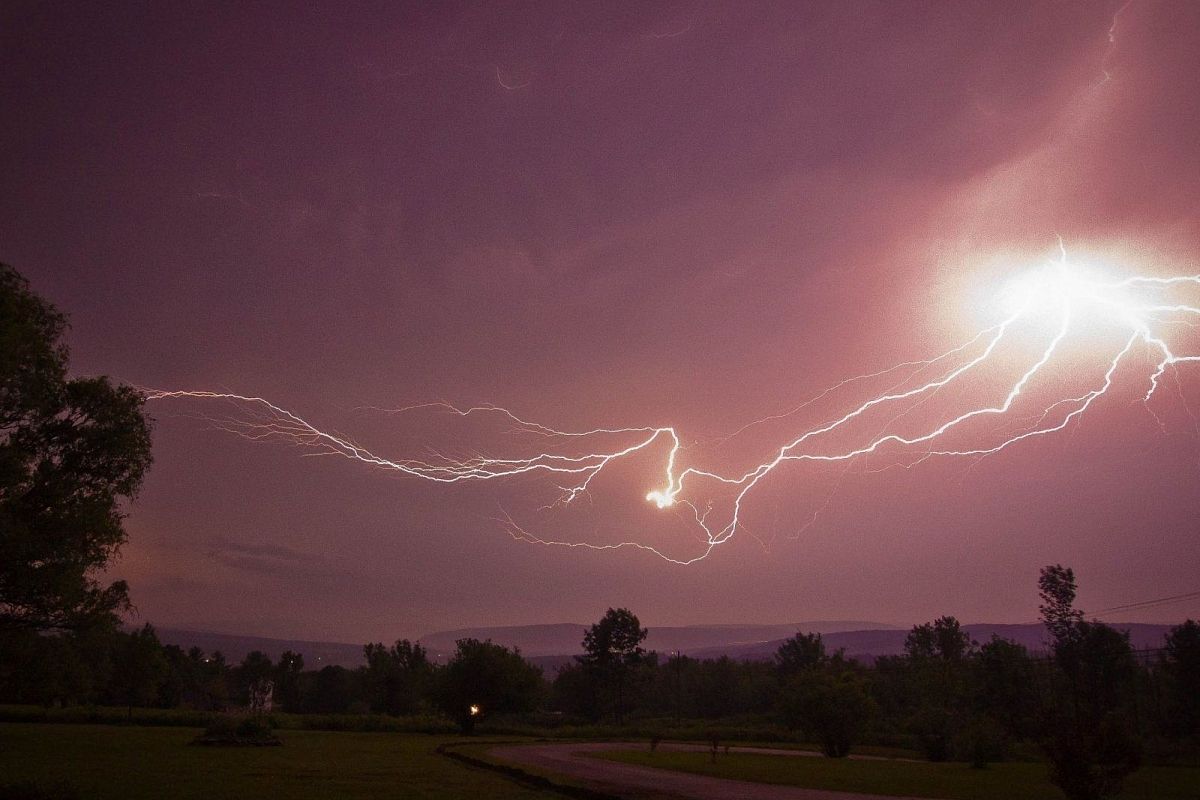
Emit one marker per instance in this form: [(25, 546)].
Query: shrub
[(231, 731), (933, 728), (981, 743), (829, 705)]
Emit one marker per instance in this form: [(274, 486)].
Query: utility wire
[(1178, 598)]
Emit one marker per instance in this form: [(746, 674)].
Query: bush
[(231, 731), (1091, 763), (830, 706), (981, 743), (933, 728)]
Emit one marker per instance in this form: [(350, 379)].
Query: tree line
[(1088, 705), (107, 666)]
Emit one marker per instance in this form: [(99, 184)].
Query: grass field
[(1009, 781), (106, 762)]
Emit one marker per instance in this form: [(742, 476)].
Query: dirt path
[(634, 781)]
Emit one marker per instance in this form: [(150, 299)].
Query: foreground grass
[(104, 762), (1026, 781), (188, 718)]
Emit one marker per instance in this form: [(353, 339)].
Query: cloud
[(276, 561)]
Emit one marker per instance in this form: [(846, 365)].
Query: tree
[(140, 668), (1056, 589), (830, 704), (483, 679), (937, 655), (1088, 736), (1182, 662), (179, 681), (1004, 689), (943, 639), (252, 675), (575, 691), (214, 679), (612, 648), (287, 680), (70, 451), (804, 651), (331, 691), (47, 670), (397, 677)]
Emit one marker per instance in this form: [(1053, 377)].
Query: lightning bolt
[(1053, 303)]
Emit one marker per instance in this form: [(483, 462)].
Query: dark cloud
[(275, 561)]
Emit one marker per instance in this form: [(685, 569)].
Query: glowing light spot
[(661, 499)]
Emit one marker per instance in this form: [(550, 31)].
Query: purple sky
[(618, 214)]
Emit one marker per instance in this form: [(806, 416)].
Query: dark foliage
[(1089, 735), (485, 679), (70, 451), (1181, 663), (398, 678), (612, 653), (1089, 703), (802, 652), (831, 705), (230, 731)]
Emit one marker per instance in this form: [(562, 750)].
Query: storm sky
[(687, 214)]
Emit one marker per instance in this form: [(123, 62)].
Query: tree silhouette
[(1183, 668), (802, 652), (1089, 739), (612, 648), (484, 679), (70, 451), (141, 667), (396, 677), (287, 680)]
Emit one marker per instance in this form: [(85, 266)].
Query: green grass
[(106, 761), (187, 718), (1026, 781)]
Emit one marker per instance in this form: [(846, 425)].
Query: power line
[(1178, 598)]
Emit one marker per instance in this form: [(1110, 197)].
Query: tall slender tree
[(1089, 736)]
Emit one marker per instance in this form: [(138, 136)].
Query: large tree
[(829, 703), (1089, 736), (612, 649), (397, 678), (71, 450), (140, 668), (287, 681), (943, 639), (802, 652), (1182, 661), (483, 679)]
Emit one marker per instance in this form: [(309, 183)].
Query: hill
[(866, 645), (565, 639), (551, 646)]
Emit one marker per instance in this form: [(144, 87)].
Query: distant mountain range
[(551, 646)]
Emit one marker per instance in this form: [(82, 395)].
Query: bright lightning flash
[(1059, 297)]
